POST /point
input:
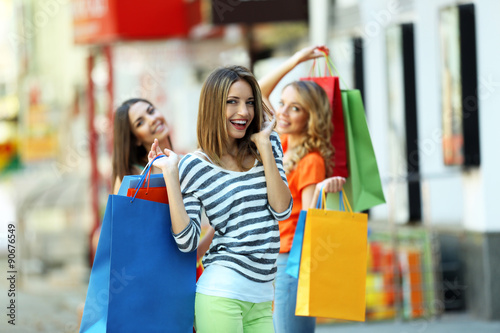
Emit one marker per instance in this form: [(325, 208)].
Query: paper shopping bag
[(140, 280), (293, 262), (152, 188), (332, 276), (363, 187), (331, 85)]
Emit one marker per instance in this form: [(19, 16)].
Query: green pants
[(225, 315)]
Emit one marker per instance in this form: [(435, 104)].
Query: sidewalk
[(448, 323), (50, 304)]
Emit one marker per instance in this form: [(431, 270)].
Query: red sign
[(104, 21)]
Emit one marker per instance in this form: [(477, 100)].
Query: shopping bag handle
[(321, 199), (329, 67), (344, 202), (145, 176)]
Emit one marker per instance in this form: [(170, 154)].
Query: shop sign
[(104, 21)]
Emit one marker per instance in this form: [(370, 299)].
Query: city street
[(51, 304)]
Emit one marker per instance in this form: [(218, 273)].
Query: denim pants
[(284, 318)]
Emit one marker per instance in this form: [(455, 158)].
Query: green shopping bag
[(363, 186)]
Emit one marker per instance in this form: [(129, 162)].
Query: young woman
[(237, 176), (136, 124), (305, 126)]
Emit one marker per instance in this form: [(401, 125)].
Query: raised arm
[(269, 81), (278, 193)]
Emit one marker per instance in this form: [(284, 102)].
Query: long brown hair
[(126, 153), (211, 127), (319, 125)]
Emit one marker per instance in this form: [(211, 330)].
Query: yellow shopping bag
[(332, 276)]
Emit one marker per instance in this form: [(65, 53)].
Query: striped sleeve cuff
[(283, 215), (187, 239)]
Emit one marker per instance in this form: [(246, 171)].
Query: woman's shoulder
[(275, 136), (192, 159), (311, 158)]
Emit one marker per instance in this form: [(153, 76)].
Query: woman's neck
[(231, 148), (294, 140)]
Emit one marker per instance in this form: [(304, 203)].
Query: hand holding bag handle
[(332, 276), (145, 176), (331, 86)]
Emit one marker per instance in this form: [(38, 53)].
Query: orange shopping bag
[(332, 276)]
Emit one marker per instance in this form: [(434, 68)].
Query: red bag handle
[(329, 66)]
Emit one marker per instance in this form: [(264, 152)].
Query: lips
[(158, 128), (239, 124), (282, 123)]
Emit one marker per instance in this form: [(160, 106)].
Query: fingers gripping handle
[(145, 174)]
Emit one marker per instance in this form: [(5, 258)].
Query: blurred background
[(430, 80)]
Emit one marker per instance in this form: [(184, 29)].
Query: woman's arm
[(118, 183), (278, 193), (269, 82), (169, 167), (308, 196)]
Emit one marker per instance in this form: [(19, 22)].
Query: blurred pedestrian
[(137, 122), (237, 175), (305, 125)]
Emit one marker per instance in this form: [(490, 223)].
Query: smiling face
[(292, 117), (147, 124), (239, 109)]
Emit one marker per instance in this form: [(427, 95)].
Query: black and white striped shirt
[(247, 237)]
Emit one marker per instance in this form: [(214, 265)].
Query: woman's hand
[(311, 52), (262, 137), (332, 184), (169, 162)]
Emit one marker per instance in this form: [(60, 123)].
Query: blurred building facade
[(435, 142), (429, 75)]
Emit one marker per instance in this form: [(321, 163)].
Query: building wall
[(453, 198)]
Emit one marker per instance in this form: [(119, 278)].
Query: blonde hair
[(318, 132), (211, 127)]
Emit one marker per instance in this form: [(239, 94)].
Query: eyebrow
[(294, 103), (236, 97)]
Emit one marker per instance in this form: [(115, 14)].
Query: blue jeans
[(284, 318)]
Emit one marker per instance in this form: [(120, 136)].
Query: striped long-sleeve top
[(246, 235)]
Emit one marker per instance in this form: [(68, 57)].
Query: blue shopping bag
[(140, 280), (131, 181), (293, 263)]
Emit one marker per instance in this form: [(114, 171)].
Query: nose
[(243, 110), (151, 118), (282, 110)]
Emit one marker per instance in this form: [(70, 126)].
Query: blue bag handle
[(145, 174), (341, 202), (319, 202)]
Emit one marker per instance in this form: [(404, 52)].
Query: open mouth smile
[(240, 125)]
